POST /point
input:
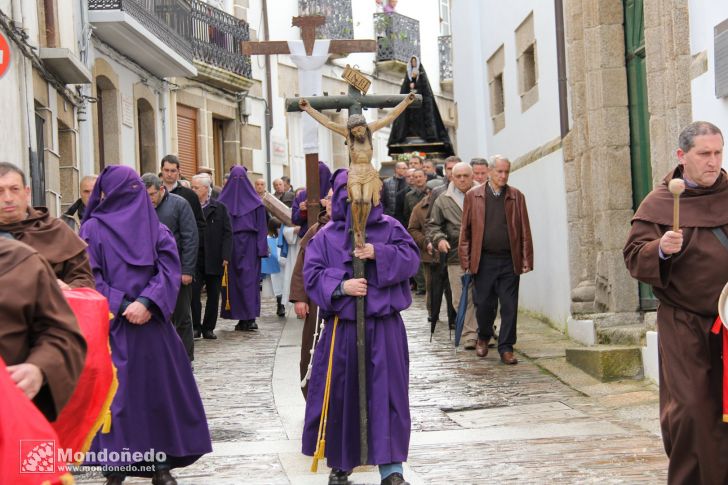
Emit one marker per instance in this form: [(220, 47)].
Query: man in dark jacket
[(210, 268), (74, 215), (175, 213), (392, 186), (171, 176)]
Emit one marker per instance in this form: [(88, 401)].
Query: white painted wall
[(470, 82), (546, 289), (13, 148), (704, 16), (479, 29)]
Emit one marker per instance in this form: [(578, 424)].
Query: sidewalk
[(473, 420)]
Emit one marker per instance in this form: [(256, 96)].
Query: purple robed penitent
[(250, 232), (157, 405), (328, 262)]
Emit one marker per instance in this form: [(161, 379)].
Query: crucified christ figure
[(364, 184)]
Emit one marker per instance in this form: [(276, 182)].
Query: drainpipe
[(164, 112), (268, 100), (20, 22), (561, 67)]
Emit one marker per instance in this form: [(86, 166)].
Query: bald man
[(260, 187), (280, 192), (74, 215), (443, 227)]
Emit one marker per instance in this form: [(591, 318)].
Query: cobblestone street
[(473, 420)]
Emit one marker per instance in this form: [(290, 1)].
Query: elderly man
[(443, 228), (175, 213), (392, 186), (210, 268), (281, 193), (480, 170), (260, 187), (416, 194), (74, 215), (496, 247), (51, 237), (39, 337), (687, 269)]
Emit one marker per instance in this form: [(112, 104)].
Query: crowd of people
[(150, 245)]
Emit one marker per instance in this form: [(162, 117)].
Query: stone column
[(597, 158)]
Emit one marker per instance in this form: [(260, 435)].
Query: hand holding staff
[(671, 242), (676, 187)]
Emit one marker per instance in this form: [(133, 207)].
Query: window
[(527, 63), (445, 17), (495, 85)]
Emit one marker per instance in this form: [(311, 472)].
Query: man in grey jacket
[(175, 213), (443, 229)]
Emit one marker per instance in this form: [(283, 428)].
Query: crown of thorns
[(356, 120)]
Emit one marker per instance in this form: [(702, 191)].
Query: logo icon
[(37, 456)]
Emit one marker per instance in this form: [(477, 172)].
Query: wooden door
[(639, 116), (187, 140)]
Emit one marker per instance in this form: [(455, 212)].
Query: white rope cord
[(320, 325)]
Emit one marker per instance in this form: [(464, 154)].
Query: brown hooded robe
[(37, 326), (687, 285), (57, 243), (298, 294)]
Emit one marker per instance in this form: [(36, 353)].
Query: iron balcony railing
[(169, 20), (339, 23), (193, 28), (217, 39), (444, 46), (398, 37)]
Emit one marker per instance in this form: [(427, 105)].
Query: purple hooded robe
[(299, 217), (327, 263), (157, 405), (250, 244)]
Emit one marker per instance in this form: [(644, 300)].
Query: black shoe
[(242, 326), (163, 477), (338, 477), (281, 311), (394, 479), (252, 325), (209, 335), (198, 334)]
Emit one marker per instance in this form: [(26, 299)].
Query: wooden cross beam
[(308, 27)]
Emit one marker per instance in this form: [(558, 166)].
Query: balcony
[(339, 24), (398, 39), (217, 46), (154, 33), (444, 46)]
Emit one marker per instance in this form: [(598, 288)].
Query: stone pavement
[(473, 420)]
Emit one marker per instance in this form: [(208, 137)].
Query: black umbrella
[(462, 307)]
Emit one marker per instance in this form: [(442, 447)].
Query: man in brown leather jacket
[(496, 247)]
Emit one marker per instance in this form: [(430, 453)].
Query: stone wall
[(597, 158), (667, 45)]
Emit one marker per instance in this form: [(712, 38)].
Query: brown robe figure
[(57, 243), (687, 284), (298, 294), (364, 186), (37, 325)]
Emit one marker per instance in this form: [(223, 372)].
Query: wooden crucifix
[(308, 26), (364, 187)]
